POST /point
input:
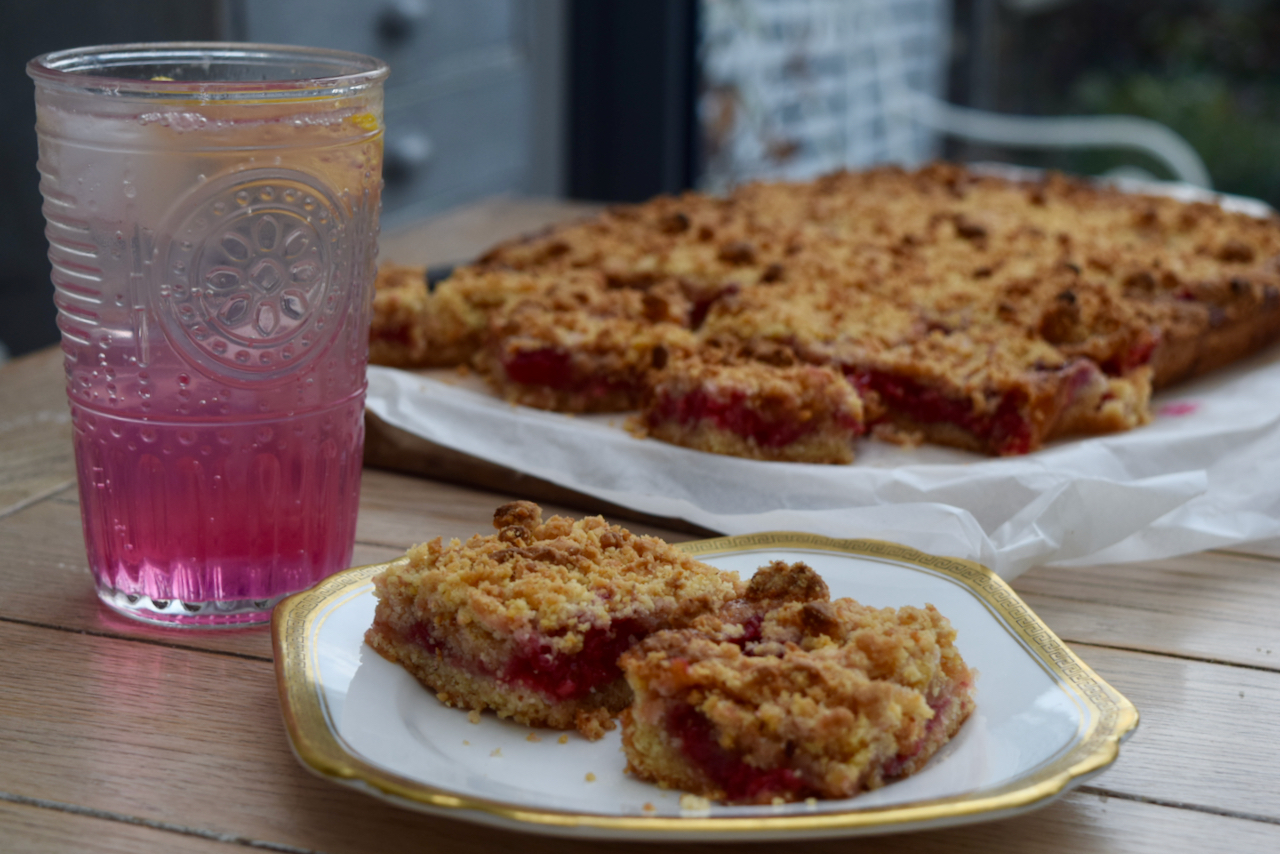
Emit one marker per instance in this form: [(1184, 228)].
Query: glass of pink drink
[(212, 214)]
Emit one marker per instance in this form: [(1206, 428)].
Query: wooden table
[(116, 736)]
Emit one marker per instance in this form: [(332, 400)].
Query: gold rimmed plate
[(1045, 722)]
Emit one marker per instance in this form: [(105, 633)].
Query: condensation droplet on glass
[(201, 178), (148, 434), (219, 347), (242, 197), (187, 437), (264, 434), (184, 379), (130, 191), (242, 356), (267, 193)]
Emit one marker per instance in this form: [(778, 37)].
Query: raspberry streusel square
[(786, 694), (530, 621), (579, 346), (398, 334), (746, 408)]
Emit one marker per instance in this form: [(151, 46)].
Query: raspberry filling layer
[(394, 335), (1005, 431), (554, 369), (547, 367), (742, 783), (735, 414), (559, 677), (571, 677)]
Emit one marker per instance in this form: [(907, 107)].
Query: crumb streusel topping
[(1055, 305), (786, 693), (530, 621)]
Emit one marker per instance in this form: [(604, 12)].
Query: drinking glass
[(212, 215)]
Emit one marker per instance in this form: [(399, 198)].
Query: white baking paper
[(1204, 474)]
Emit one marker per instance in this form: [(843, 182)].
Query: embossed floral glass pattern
[(212, 219)]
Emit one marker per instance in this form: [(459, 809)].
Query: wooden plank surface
[(47, 828), (1214, 606), (196, 742), (117, 736), (35, 431), (462, 235)]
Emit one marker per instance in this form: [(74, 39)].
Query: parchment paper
[(1205, 473)]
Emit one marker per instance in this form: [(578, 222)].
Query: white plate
[(1044, 721)]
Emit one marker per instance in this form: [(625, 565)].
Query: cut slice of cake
[(398, 333), (786, 695), (579, 346), (997, 390), (747, 408), (530, 621)]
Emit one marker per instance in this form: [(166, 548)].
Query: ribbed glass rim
[(101, 69)]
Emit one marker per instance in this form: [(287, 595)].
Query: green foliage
[(1236, 131)]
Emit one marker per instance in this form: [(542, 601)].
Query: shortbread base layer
[(462, 688)]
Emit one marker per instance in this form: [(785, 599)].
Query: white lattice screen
[(794, 88)]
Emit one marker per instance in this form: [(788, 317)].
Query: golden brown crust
[(478, 622), (791, 695), (398, 334), (579, 346), (1084, 296), (749, 408)]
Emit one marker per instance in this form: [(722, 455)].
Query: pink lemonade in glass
[(212, 219)]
